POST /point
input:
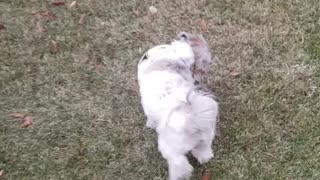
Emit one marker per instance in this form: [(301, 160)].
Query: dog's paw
[(151, 124), (203, 156), (180, 169)]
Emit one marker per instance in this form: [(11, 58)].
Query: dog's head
[(175, 52), (201, 53)]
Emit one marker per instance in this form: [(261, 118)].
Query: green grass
[(88, 123)]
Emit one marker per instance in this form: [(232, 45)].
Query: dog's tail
[(198, 112), (204, 110)]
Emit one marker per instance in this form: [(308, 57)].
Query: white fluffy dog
[(177, 107)]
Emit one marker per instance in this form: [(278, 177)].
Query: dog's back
[(183, 115), (190, 126)]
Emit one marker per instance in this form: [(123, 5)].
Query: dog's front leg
[(151, 123), (151, 120), (203, 151)]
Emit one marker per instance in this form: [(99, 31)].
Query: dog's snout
[(183, 36)]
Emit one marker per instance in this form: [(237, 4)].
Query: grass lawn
[(73, 69)]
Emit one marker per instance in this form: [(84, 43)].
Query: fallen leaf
[(40, 28), (1, 172), (203, 26), (235, 73), (99, 67), (2, 27), (136, 12), (146, 20), (206, 177), (34, 12), (27, 121), (81, 20), (54, 46), (58, 3), (153, 10), (72, 4), (47, 14), (17, 115), (141, 35)]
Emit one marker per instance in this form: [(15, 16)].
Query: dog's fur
[(176, 106), (201, 54)]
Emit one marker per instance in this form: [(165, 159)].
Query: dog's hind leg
[(202, 152), (179, 166)]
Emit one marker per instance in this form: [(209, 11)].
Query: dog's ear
[(202, 57), (201, 53), (199, 72)]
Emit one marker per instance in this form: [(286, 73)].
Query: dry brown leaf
[(146, 20), (40, 28), (141, 35), (136, 12), (72, 4), (54, 46), (203, 26), (99, 67), (81, 20), (58, 3), (1, 172), (235, 74), (2, 27), (17, 115), (47, 14), (27, 121), (34, 12), (206, 177)]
